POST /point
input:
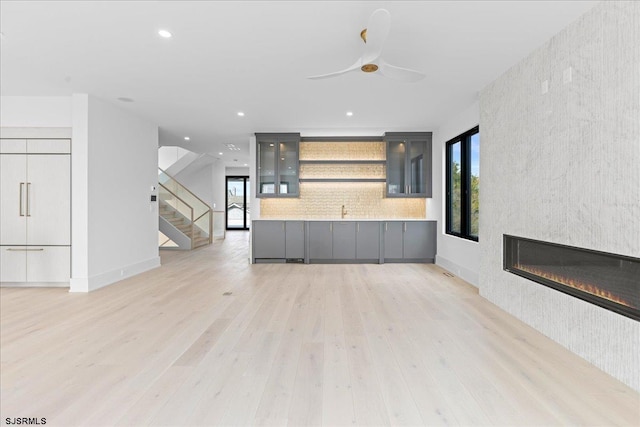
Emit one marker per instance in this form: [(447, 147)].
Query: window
[(463, 184)]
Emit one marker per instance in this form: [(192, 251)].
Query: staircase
[(186, 222)]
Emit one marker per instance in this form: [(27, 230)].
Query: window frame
[(465, 185)]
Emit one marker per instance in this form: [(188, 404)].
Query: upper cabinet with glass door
[(408, 164), (277, 169)]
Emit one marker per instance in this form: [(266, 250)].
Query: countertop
[(344, 219)]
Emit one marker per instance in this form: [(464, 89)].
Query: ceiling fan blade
[(355, 66), (398, 73), (377, 32)]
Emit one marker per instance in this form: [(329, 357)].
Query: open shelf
[(343, 162), (342, 180)]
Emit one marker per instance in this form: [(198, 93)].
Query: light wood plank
[(290, 345)]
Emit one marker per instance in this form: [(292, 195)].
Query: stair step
[(201, 241)]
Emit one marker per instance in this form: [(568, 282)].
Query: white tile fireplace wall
[(563, 166)]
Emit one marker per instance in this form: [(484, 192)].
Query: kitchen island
[(340, 241)]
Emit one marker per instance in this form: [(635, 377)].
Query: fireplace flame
[(567, 281)]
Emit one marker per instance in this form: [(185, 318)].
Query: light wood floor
[(208, 339)]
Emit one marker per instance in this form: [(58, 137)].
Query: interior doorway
[(237, 203)]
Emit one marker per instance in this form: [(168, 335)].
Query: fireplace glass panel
[(608, 280)]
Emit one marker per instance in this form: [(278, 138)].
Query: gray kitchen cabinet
[(268, 238), (410, 241), (294, 239), (320, 240), (368, 240), (393, 237), (277, 164), (344, 240), (419, 240), (408, 164)]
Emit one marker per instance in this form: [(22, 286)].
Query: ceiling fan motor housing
[(369, 68)]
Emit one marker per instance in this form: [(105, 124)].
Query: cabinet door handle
[(386, 226), (25, 249), (283, 225), (28, 197), (21, 198), (358, 227), (330, 226), (405, 227)]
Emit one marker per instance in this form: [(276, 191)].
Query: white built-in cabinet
[(35, 210)]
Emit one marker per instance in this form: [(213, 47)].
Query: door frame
[(245, 178)]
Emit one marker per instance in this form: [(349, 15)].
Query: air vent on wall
[(231, 147)]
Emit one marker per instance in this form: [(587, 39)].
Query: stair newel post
[(193, 240), (210, 226)]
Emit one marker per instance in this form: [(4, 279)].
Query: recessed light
[(349, 113), (240, 114), (125, 99), (220, 154), (270, 145), (246, 164), (186, 138), (165, 34)]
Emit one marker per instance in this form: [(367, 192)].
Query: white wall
[(218, 185), (459, 256), (208, 182), (80, 193), (115, 225), (35, 111), (237, 171), (562, 166), (199, 181), (169, 155)]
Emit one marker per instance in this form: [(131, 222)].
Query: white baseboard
[(104, 279), (473, 277)]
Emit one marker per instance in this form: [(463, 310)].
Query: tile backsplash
[(324, 200)]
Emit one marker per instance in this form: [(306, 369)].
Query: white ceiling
[(253, 57)]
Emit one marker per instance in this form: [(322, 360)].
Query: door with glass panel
[(237, 203)]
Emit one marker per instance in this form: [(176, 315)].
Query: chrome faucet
[(344, 212)]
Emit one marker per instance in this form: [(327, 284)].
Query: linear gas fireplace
[(608, 280)]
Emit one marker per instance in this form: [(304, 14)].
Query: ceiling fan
[(374, 37)]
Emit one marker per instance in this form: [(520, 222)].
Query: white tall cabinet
[(35, 211)]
